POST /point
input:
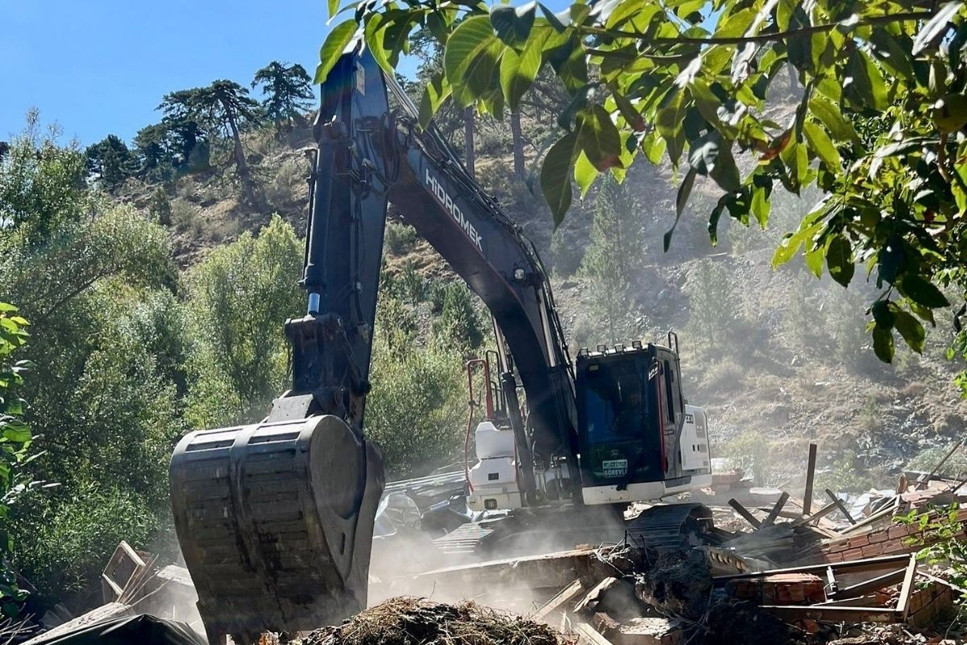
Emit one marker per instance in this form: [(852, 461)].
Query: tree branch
[(758, 38)]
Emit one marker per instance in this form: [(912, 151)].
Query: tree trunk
[(248, 186), (518, 145), (468, 153)]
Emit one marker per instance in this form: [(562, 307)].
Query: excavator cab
[(637, 437)]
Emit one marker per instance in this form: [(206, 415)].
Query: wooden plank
[(564, 596), (552, 571), (879, 582), (842, 507), (823, 512), (884, 512), (746, 515), (903, 603), (591, 636), (851, 566), (807, 498), (595, 594), (774, 513)]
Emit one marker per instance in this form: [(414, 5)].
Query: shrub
[(399, 238)]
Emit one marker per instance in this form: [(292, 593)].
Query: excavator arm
[(275, 519)]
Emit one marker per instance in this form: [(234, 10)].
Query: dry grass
[(417, 621)]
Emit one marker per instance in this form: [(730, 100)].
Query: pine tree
[(287, 90), (182, 122), (613, 261), (111, 161)]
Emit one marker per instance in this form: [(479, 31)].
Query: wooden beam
[(564, 596), (879, 515), (774, 513), (807, 498), (823, 512), (589, 635), (903, 603), (746, 515), (842, 507)]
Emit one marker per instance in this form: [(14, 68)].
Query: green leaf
[(891, 53), (669, 121), (470, 59), (518, 71), (335, 44), (513, 25), (821, 144), (680, 202), (16, 433), (883, 344), (922, 291), (884, 313), (434, 94), (584, 173), (375, 33), (653, 146), (599, 138), (813, 256), (950, 113), (911, 330), (333, 7), (864, 84), (726, 173), (761, 205), (936, 26), (832, 118), (839, 260), (556, 176), (628, 111)]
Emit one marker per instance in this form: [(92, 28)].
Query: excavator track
[(670, 526)]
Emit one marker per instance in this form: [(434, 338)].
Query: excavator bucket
[(275, 522)]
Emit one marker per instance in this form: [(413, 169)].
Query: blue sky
[(102, 67)]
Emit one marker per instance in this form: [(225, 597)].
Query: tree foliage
[(417, 405), (612, 263), (15, 439), (111, 161), (286, 88), (241, 295), (878, 123)]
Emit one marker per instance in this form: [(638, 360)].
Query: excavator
[(275, 519)]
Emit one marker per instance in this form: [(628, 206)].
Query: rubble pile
[(771, 569), (414, 621)]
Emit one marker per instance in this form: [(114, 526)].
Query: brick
[(852, 554), (872, 550), (897, 531), (891, 548), (837, 547), (879, 536), (859, 541)]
